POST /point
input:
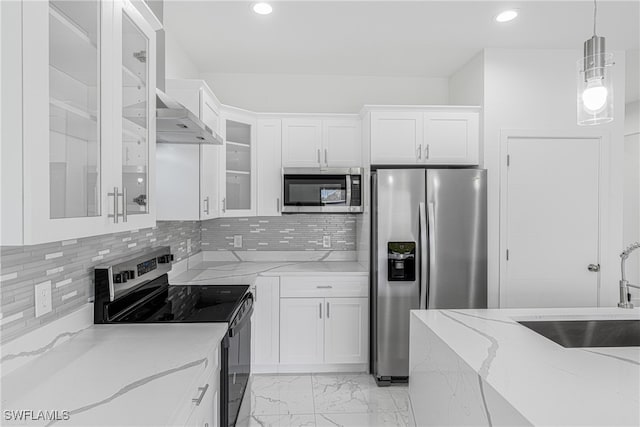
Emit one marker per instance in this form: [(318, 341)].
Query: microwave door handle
[(348, 185)]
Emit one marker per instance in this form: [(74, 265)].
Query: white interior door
[(301, 330), (552, 222)]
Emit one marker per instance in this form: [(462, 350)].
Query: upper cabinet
[(189, 175), (82, 146), (269, 168), (238, 182), (321, 142), (430, 136)]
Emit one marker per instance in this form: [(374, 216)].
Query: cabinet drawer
[(323, 286)]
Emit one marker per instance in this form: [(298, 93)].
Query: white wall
[(631, 231), (322, 93), (536, 90), (178, 64), (466, 85)]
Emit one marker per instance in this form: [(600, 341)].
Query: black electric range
[(137, 290)]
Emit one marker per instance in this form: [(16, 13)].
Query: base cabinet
[(346, 330), (302, 331), (265, 325), (205, 404)]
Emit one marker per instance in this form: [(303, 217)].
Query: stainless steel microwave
[(326, 190)]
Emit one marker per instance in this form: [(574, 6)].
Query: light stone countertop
[(543, 381), (129, 374), (246, 272)]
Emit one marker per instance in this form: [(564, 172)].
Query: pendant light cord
[(595, 11)]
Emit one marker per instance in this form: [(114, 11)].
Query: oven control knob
[(164, 259), (119, 278), (131, 274)]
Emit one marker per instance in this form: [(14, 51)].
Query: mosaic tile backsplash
[(285, 233), (69, 267)]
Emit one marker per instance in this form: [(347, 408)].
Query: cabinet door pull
[(326, 157), (115, 195), (320, 307), (318, 155), (206, 205), (124, 204), (420, 152), (426, 152), (278, 204), (328, 310), (224, 205), (324, 286), (203, 391)]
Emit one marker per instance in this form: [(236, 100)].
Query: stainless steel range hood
[(177, 125), (174, 122)]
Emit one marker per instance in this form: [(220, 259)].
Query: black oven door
[(235, 368), (315, 190)]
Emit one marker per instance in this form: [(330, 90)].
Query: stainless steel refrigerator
[(429, 250)]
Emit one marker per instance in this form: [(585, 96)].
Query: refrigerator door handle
[(423, 257), (431, 226)]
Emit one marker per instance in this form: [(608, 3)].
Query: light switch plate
[(326, 241), (43, 298), (237, 241)]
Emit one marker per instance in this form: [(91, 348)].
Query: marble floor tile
[(350, 393), (350, 400), (370, 419), (291, 420), (281, 394)]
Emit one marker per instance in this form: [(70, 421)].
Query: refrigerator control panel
[(401, 261)]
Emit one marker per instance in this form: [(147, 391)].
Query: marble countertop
[(133, 374), (246, 272), (548, 384)]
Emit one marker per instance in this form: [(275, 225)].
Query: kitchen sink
[(588, 333)]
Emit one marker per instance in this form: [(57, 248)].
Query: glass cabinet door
[(74, 109), (135, 118), (238, 179)]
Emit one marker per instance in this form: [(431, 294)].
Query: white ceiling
[(392, 38)]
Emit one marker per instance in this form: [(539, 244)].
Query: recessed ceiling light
[(507, 15), (262, 8)]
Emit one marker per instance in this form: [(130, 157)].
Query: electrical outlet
[(326, 241), (237, 241), (43, 298)]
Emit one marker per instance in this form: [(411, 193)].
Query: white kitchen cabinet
[(341, 143), (427, 136), (396, 137), (451, 138), (324, 321), (189, 174), (265, 325), (82, 141), (321, 142), (238, 182), (269, 168), (301, 142), (301, 331), (346, 330), (204, 401)]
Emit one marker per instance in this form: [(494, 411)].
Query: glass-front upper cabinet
[(238, 183), (84, 148), (136, 104)]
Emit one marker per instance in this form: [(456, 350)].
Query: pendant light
[(595, 88)]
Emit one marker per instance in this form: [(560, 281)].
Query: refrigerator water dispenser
[(401, 261)]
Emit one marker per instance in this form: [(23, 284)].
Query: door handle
[(423, 257), (224, 205), (318, 155), (426, 152), (328, 312), (431, 233), (206, 204), (320, 307), (278, 204), (326, 157), (594, 268), (420, 152)]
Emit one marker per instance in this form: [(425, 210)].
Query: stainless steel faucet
[(625, 295)]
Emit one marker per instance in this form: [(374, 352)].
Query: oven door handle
[(246, 318)]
